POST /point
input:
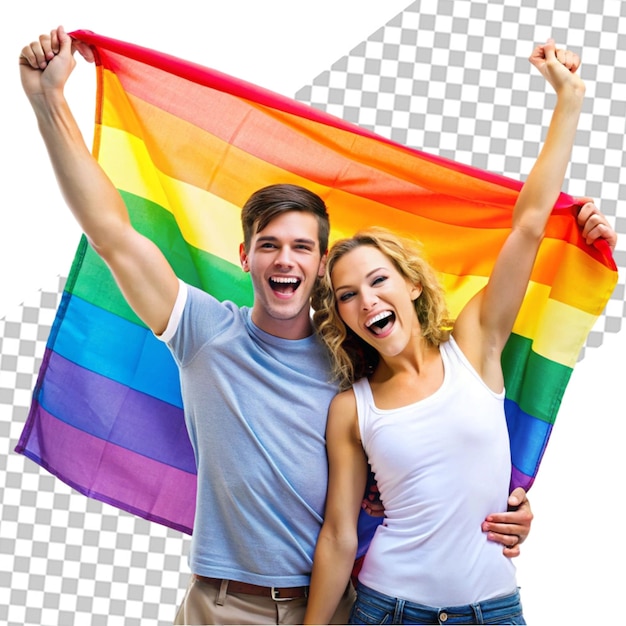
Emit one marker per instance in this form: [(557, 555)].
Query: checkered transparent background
[(450, 77)]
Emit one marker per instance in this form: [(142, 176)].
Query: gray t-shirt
[(256, 408)]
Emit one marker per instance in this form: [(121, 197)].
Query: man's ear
[(243, 258), (322, 266)]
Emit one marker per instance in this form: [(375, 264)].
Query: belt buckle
[(274, 591)]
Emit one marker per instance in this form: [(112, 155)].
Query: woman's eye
[(378, 280), (346, 296)]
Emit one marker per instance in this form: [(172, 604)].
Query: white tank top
[(442, 465)]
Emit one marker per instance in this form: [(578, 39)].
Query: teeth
[(377, 318), (285, 280)]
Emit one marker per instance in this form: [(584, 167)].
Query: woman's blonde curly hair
[(351, 357)]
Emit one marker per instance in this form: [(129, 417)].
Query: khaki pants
[(206, 604)]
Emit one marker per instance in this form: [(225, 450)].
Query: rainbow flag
[(186, 146)]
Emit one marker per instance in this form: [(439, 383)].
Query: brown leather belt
[(275, 593)]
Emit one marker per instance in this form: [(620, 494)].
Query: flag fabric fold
[(185, 146)]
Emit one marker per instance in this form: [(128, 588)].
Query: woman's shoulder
[(342, 418), (343, 400)]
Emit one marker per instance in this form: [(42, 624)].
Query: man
[(260, 446)]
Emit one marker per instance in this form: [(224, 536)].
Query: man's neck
[(299, 327)]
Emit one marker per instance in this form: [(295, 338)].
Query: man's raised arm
[(140, 269)]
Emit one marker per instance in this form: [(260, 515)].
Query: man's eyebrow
[(273, 238)]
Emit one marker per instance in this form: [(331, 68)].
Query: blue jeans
[(372, 607)]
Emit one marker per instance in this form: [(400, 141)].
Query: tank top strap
[(364, 403)]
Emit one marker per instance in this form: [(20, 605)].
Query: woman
[(424, 404)]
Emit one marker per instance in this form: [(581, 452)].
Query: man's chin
[(285, 313)]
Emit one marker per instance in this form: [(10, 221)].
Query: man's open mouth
[(285, 285)]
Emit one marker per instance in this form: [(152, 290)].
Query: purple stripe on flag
[(109, 410), (101, 470), (519, 479)]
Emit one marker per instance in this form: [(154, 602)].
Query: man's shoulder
[(201, 300)]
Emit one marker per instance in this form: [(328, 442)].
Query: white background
[(568, 567)]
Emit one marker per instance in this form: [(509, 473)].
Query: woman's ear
[(416, 292)]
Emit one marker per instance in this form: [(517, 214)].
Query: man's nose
[(284, 257)]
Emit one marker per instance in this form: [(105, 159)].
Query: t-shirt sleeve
[(197, 318), (176, 314)]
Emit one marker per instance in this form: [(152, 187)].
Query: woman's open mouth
[(381, 322)]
